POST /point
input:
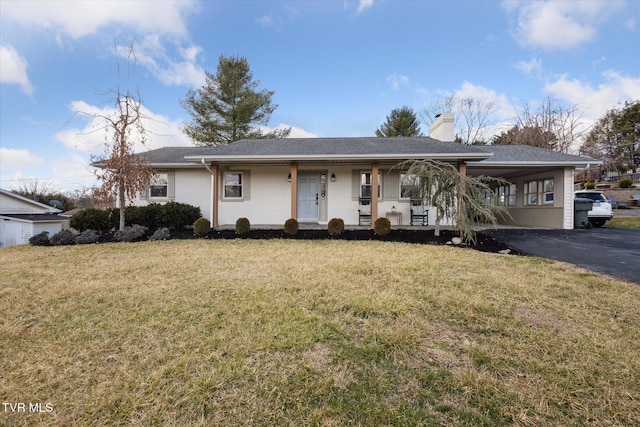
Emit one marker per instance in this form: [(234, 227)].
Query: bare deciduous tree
[(472, 116), (123, 173), (557, 127)]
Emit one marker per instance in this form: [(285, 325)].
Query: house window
[(159, 185), (502, 190), (538, 192), (547, 188), (487, 196), (531, 193), (506, 195), (511, 198), (233, 185), (365, 184), (409, 186)]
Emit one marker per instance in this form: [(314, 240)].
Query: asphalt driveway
[(612, 251)]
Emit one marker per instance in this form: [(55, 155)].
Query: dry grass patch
[(312, 333)]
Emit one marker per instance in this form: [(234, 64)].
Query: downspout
[(211, 195)]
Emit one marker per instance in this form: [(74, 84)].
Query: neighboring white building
[(21, 218)]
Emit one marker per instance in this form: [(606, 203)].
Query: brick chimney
[(442, 128)]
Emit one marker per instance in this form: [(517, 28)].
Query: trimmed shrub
[(95, 219), (178, 215), (243, 226), (161, 234), (291, 226), (86, 237), (335, 226), (626, 183), (130, 234), (63, 238), (171, 215), (40, 239), (382, 227), (590, 185), (201, 227)]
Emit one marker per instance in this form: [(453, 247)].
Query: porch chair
[(419, 212), (364, 213)]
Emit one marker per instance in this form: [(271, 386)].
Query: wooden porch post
[(462, 168), (374, 194), (294, 190)]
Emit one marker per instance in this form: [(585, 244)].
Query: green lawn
[(319, 333), (624, 222)]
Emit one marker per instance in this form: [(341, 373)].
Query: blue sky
[(338, 68)]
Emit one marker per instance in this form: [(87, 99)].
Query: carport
[(541, 187)]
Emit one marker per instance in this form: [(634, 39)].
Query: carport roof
[(512, 155)]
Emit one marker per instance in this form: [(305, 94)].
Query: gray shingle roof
[(514, 154), (345, 146), (362, 148), (175, 155)]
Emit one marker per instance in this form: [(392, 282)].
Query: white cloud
[(81, 18), (503, 108), (534, 66), (364, 4), (396, 80), (296, 132), (630, 24), (13, 69), (559, 24), (151, 53), (12, 158), (90, 138), (269, 21), (73, 170), (595, 101)]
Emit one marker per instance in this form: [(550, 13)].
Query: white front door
[(308, 196)]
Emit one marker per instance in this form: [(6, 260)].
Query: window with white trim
[(365, 184), (547, 191), (538, 192), (409, 186), (531, 193), (232, 185), (159, 187), (506, 195), (511, 197)]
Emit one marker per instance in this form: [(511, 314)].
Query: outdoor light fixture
[(289, 178), (333, 177)]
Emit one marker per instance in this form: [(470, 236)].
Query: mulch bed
[(483, 243)]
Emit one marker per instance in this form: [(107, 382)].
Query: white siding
[(193, 186), (190, 186), (14, 205), (267, 197), (568, 199), (13, 232)]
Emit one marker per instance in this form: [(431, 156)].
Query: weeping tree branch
[(455, 196)]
